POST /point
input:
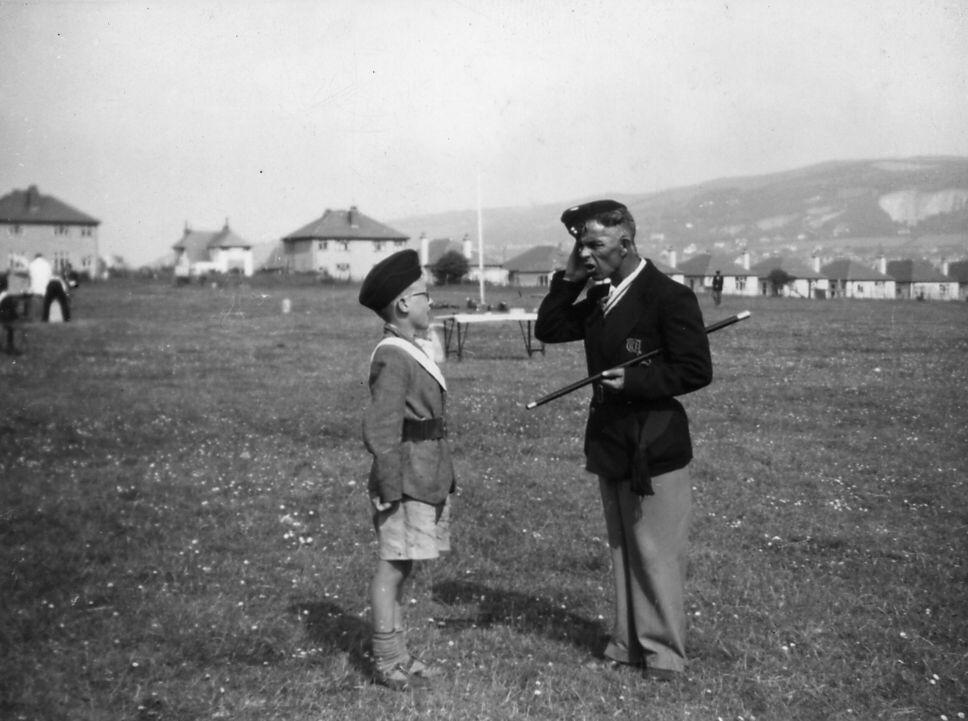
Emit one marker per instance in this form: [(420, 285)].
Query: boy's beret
[(389, 278), (575, 218)]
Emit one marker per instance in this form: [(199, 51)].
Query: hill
[(912, 207)]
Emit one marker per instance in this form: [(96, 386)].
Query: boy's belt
[(431, 429)]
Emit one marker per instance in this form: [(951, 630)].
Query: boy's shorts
[(413, 530)]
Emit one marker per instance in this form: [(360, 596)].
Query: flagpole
[(480, 240)]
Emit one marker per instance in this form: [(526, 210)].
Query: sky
[(151, 115)]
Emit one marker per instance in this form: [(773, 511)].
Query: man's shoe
[(607, 664), (662, 675)]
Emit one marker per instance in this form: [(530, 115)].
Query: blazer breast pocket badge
[(633, 346)]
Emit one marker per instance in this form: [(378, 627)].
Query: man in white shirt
[(40, 273)]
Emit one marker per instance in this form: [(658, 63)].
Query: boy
[(10, 320), (412, 475)]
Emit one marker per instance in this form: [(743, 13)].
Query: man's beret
[(575, 218), (389, 278)]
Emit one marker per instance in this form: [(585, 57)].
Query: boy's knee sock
[(389, 649), (402, 642)]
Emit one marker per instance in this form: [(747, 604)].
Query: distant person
[(58, 292), (637, 435), (717, 288), (412, 476), (9, 317), (40, 273)]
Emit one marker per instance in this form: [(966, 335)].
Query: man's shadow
[(520, 612)]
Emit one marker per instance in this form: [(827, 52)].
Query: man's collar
[(617, 292)]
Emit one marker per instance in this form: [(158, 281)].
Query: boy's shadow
[(520, 612), (331, 627)]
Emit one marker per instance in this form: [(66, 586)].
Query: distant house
[(850, 279), (805, 282), (669, 270), (342, 244), (270, 258), (920, 280), (431, 251), (534, 266), (200, 252), (958, 272), (738, 279), (32, 223)]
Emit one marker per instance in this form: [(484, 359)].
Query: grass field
[(186, 536)]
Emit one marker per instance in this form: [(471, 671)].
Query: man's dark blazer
[(642, 430)]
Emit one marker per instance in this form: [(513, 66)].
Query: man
[(637, 435), (10, 320), (57, 292), (40, 274), (717, 288)]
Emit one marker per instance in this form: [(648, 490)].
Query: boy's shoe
[(396, 678), (418, 668)]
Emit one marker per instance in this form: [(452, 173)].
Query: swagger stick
[(631, 362)]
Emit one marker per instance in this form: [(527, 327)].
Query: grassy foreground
[(185, 531)]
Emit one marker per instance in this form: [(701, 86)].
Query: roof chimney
[(465, 247), (33, 199), (424, 250), (882, 264), (816, 263), (351, 217), (671, 257), (944, 266), (746, 259)]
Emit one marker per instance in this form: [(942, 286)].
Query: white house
[(850, 279), (738, 279), (804, 281), (534, 266), (201, 252), (341, 244), (920, 280), (958, 272), (431, 250)]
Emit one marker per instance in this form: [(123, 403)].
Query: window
[(741, 282), (343, 267), (399, 243), (87, 231), (322, 245), (377, 246), (61, 230), (16, 229), (344, 245), (859, 290)]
